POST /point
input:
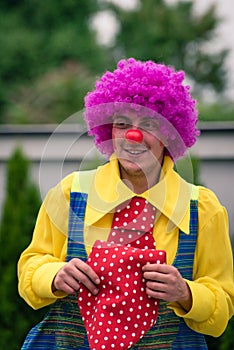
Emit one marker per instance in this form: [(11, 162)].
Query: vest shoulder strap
[(194, 192), (82, 180)]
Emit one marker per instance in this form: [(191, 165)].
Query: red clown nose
[(134, 135)]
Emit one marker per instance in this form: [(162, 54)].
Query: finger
[(156, 294), (162, 268), (155, 276), (156, 286), (66, 283), (85, 280), (71, 287), (87, 270)]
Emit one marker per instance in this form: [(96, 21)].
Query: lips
[(135, 152)]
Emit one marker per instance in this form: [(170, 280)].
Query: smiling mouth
[(135, 152)]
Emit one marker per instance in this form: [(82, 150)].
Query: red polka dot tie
[(133, 224), (121, 313)]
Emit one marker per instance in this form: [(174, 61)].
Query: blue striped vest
[(63, 329)]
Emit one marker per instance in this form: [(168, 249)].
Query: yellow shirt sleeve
[(46, 254), (212, 287)]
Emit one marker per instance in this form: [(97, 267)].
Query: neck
[(140, 182)]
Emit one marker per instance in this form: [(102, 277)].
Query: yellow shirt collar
[(171, 195)]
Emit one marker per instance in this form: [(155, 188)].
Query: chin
[(132, 169)]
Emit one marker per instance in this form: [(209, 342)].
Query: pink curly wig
[(158, 89)]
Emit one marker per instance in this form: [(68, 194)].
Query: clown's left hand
[(166, 283)]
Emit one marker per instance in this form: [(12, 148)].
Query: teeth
[(135, 152)]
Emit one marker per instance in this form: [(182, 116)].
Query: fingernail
[(95, 291)]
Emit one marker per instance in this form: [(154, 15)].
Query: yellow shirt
[(212, 286)]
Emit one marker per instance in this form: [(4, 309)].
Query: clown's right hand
[(69, 277)]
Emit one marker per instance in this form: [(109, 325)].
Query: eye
[(121, 123), (149, 125)]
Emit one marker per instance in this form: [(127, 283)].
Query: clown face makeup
[(143, 156)]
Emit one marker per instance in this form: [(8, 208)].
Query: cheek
[(117, 135)]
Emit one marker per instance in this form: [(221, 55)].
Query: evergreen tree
[(18, 219), (173, 34)]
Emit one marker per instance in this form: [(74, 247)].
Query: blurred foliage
[(18, 219), (52, 98), (50, 57), (218, 111), (37, 36), (173, 34)]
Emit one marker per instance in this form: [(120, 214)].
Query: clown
[(130, 255)]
